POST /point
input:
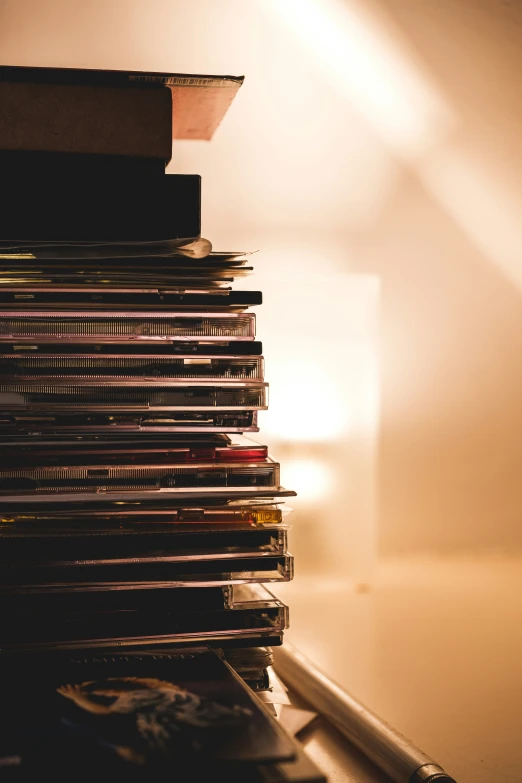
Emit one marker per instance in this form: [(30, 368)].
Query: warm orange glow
[(310, 478), (370, 69), (320, 338), (486, 208)]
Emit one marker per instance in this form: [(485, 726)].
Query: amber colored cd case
[(122, 517)]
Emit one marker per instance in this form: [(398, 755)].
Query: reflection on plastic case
[(27, 451), (126, 325), (126, 517), (154, 396), (192, 421), (55, 367), (255, 614), (167, 478)]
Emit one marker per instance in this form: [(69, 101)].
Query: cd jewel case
[(165, 395), (155, 573), (25, 451), (16, 500), (177, 295), (93, 474), (141, 516), (38, 557), (126, 325), (56, 347), (47, 540), (173, 422), (130, 618), (180, 293), (120, 367)]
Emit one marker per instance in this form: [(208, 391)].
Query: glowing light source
[(289, 416), (320, 339), (311, 478)]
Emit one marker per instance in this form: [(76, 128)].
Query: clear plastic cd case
[(126, 325), (248, 614), (121, 367), (91, 395)]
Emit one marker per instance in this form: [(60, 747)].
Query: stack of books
[(139, 524)]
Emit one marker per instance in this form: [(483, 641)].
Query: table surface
[(340, 761), (434, 647)]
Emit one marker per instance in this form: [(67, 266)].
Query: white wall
[(380, 138)]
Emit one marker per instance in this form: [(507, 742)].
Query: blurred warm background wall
[(377, 138)]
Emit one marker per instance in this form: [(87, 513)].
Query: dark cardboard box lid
[(199, 101)]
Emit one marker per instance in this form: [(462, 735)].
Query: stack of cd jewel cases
[(138, 523), (135, 512)]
